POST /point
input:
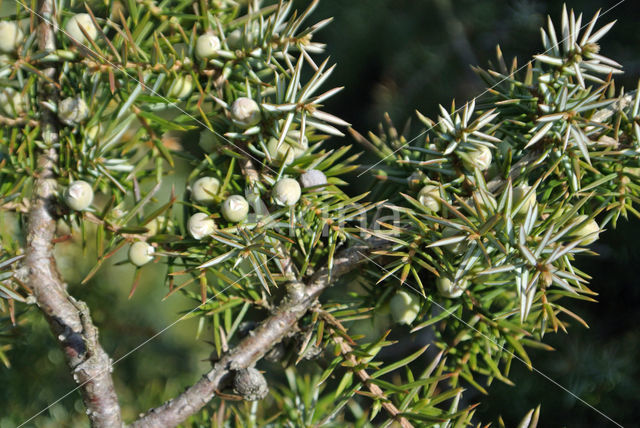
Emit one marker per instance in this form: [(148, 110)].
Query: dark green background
[(394, 56)]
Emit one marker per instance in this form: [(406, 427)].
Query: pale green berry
[(429, 197), (313, 178), (154, 225), (12, 102), (72, 110), (404, 307), (72, 29), (245, 112), (284, 154), (479, 158), (590, 230), (287, 152), (140, 253), (519, 193), (286, 192), (181, 87), (207, 46), (451, 290), (79, 195), (200, 225), (235, 208), (10, 36), (204, 189)]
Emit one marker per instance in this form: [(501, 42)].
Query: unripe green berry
[(79, 195), (154, 225), (404, 307), (245, 112), (141, 253), (519, 192), (448, 289), (284, 154), (207, 46), (72, 110), (235, 208), (10, 36), (200, 225), (12, 102), (429, 197), (479, 158), (590, 231), (181, 87), (313, 178), (286, 192), (75, 33), (204, 189)]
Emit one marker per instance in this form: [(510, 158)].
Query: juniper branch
[(68, 318), (253, 347)]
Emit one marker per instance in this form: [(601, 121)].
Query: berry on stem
[(181, 87), (245, 112), (200, 225), (79, 195), (313, 178), (589, 231), (429, 197), (286, 192), (73, 28), (72, 110), (10, 36), (207, 46), (235, 208), (448, 289), (478, 158), (204, 189), (12, 102), (404, 307), (140, 253), (519, 193)]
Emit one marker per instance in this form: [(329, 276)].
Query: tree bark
[(251, 349), (68, 318)]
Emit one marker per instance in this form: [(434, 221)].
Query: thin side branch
[(252, 348), (68, 318)]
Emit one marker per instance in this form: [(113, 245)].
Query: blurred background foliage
[(393, 56)]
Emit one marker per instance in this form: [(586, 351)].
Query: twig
[(347, 352), (253, 347), (69, 319)]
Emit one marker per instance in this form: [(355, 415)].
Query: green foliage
[(517, 180)]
